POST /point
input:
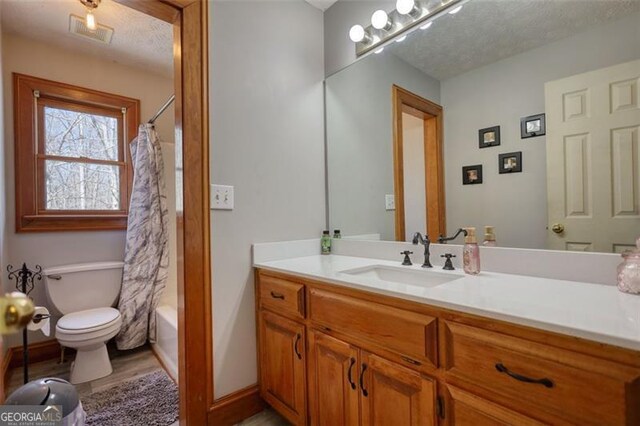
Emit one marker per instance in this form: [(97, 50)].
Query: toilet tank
[(73, 288)]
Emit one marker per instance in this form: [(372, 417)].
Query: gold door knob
[(16, 311), (558, 228)]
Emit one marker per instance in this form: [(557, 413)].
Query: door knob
[(16, 310), (558, 228)]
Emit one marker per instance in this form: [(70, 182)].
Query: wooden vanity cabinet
[(350, 386), (282, 366), (330, 355)]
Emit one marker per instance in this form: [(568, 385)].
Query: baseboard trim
[(234, 408), (39, 351)]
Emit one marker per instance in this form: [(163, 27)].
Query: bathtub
[(166, 346)]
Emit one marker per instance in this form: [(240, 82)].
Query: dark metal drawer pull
[(295, 346), (364, 391), (277, 295), (545, 382), (351, 382), (410, 361)]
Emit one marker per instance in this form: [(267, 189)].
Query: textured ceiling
[(485, 31), (139, 40)]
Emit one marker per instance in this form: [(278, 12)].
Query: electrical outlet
[(221, 197), (389, 202)]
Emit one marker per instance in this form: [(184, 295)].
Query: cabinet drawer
[(282, 296), (577, 387), (407, 333)]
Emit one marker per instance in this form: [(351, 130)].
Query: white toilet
[(85, 294)]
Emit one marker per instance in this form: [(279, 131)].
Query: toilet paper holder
[(25, 281)]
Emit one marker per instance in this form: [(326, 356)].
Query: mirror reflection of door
[(593, 159), (418, 170)]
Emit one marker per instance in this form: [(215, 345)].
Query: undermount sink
[(404, 276)]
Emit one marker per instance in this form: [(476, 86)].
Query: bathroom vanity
[(350, 340)]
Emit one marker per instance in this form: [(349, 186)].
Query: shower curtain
[(146, 257)]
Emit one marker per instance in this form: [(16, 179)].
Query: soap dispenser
[(471, 253), (629, 271), (489, 237)]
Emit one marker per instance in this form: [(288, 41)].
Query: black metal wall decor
[(510, 162), (532, 126), (25, 281), (489, 137), (472, 175)]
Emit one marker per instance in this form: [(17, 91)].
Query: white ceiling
[(321, 4), (485, 31), (139, 40)]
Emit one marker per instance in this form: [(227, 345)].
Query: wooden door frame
[(195, 348), (432, 115)]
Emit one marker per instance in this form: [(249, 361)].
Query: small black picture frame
[(489, 137), (532, 126), (472, 175), (510, 162)]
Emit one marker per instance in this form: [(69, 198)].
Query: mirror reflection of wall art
[(532, 126), (472, 175), (510, 162), (489, 137)]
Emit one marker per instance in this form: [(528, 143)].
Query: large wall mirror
[(523, 115)]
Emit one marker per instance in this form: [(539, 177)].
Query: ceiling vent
[(101, 34)]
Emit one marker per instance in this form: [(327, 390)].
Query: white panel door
[(593, 159)]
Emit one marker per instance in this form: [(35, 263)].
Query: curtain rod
[(162, 109)]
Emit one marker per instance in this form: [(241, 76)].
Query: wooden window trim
[(30, 213)]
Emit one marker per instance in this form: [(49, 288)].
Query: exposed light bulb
[(401, 39), (358, 34), (91, 21), (427, 25), (406, 7), (455, 10), (379, 50), (380, 20)]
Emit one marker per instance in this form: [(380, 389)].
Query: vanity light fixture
[(408, 16), (379, 50), (408, 7), (380, 20), (357, 34), (401, 39), (90, 20)]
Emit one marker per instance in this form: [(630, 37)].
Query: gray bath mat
[(151, 400)]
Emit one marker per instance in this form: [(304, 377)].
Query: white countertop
[(592, 311)]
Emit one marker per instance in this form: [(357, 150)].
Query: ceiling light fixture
[(455, 10), (380, 20), (401, 39), (427, 25), (90, 20), (379, 50)]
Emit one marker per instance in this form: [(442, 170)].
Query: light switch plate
[(221, 197), (389, 202)]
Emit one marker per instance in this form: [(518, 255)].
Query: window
[(73, 168)]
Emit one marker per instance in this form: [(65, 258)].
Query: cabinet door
[(394, 395), (282, 366), (465, 409), (333, 374)]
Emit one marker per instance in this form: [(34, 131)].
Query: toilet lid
[(91, 318)]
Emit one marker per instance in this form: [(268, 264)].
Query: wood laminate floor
[(126, 365)]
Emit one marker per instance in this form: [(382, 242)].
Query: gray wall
[(266, 140), (499, 94), (339, 50), (360, 140)]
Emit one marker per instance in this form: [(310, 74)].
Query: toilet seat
[(88, 321)]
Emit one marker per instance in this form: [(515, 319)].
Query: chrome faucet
[(426, 242), (442, 239)]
